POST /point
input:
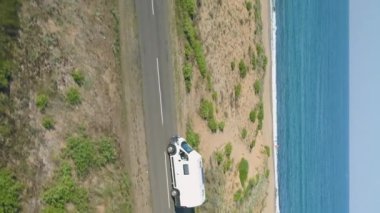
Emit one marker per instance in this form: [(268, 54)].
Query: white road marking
[(159, 91), (152, 6), (167, 182)]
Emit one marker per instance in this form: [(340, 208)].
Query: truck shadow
[(184, 210)]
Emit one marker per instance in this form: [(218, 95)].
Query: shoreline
[(274, 98)]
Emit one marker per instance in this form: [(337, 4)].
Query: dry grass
[(56, 38)]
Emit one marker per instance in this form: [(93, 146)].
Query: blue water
[(312, 93)]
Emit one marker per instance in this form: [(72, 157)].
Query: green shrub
[(227, 165), (192, 137), (189, 6), (73, 96), (212, 125), (242, 69), (189, 53), (254, 61), (237, 91), (106, 151), (252, 116), (260, 114), (258, 87), (10, 192), (42, 101), (221, 126), (82, 151), (243, 171), (267, 150), (191, 36), (228, 150), (206, 110), (244, 133), (48, 122), (219, 157), (238, 195), (65, 191), (214, 96), (188, 76), (260, 125), (5, 74), (248, 6), (266, 173), (78, 77), (252, 145)]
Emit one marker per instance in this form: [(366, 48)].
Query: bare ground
[(226, 30)]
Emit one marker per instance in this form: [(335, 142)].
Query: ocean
[(312, 105)]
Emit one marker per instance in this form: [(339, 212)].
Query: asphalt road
[(158, 96)]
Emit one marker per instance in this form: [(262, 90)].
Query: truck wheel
[(171, 149), (174, 193)]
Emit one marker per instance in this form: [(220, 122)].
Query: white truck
[(186, 167)]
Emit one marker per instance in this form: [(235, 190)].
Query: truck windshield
[(186, 147)]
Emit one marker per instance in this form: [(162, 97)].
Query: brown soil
[(227, 32)]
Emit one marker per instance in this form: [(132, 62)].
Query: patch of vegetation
[(252, 116), (213, 125), (214, 96), (82, 151), (188, 75), (219, 157), (192, 137), (64, 191), (9, 28), (237, 91), (242, 69), (206, 109), (221, 126), (189, 52), (215, 181), (244, 133), (233, 65), (88, 154), (266, 173), (73, 96), (187, 13), (48, 122), (116, 29), (248, 6), (252, 145), (42, 101), (106, 151), (243, 171), (260, 115), (257, 17), (258, 86), (227, 165), (10, 192), (228, 150), (267, 151), (5, 74), (238, 195), (261, 60), (78, 77)]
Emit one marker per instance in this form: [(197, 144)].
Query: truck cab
[(187, 174)]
